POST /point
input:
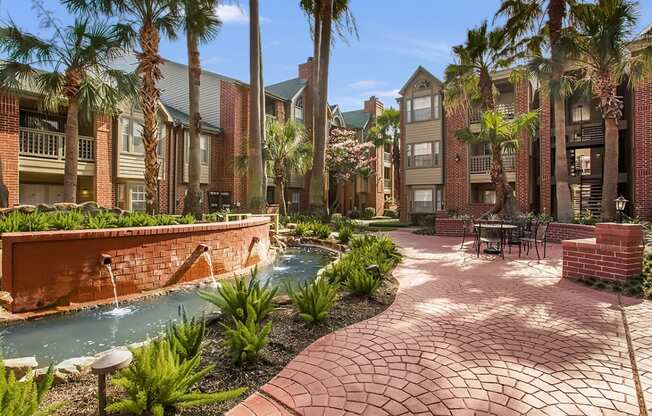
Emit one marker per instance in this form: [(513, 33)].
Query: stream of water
[(87, 332)]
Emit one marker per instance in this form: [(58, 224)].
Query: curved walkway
[(470, 336)]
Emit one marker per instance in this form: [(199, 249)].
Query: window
[(131, 136), (125, 134), (425, 154), (437, 106), (422, 200), (489, 197), (298, 109), (408, 110), (422, 107), (270, 108), (137, 144), (581, 112), (203, 148), (204, 151), (137, 196)]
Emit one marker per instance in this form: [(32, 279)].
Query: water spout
[(206, 255), (106, 261)]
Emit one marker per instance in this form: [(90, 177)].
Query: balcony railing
[(482, 164), (475, 114), (387, 157), (387, 184), (588, 133), (51, 145)]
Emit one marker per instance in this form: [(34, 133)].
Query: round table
[(496, 226)]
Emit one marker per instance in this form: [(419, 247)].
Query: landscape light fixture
[(621, 203)]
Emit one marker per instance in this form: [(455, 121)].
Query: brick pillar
[(641, 151), (523, 177), (9, 146), (234, 107), (457, 162), (103, 162), (545, 155)]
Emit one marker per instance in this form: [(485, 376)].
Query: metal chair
[(539, 236), (469, 229)]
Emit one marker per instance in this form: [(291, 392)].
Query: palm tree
[(387, 131), (199, 20), (69, 69), (151, 17), (287, 149), (255, 174), (525, 20), (502, 135), (599, 42), (469, 81)]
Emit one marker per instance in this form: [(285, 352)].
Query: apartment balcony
[(508, 110), (585, 133), (480, 169), (387, 158), (387, 185), (45, 151)]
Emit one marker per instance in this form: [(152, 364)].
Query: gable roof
[(357, 119), (420, 70), (287, 89), (179, 116)]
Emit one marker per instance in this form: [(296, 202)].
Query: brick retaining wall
[(557, 231), (59, 268), (449, 227)]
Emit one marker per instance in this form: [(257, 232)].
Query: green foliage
[(345, 235), (163, 219), (186, 219), (336, 219), (586, 218), (158, 382), (322, 231), (391, 213), (23, 398), (135, 219), (296, 218), (246, 339), (101, 220), (186, 337), (368, 213), (313, 300), (302, 229), (36, 221), (239, 298), (389, 224), (11, 223), (363, 283), (66, 220)]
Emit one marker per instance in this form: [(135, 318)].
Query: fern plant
[(345, 234), (186, 219), (101, 220), (69, 220), (34, 221), (23, 398), (186, 336), (11, 223), (322, 231), (246, 339), (163, 219), (158, 382), (361, 283), (234, 298), (313, 300), (302, 230)]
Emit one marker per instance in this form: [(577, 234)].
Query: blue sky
[(394, 38)]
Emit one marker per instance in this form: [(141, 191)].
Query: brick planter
[(558, 231), (616, 254), (449, 227), (60, 268)]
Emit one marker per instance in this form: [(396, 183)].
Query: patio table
[(496, 227)]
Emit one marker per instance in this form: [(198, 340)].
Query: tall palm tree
[(151, 18), (541, 23), (287, 149), (387, 131), (469, 81), (71, 68), (198, 18), (599, 40), (255, 174)]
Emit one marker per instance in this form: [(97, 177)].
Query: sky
[(395, 37)]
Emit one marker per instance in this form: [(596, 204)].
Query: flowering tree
[(347, 157)]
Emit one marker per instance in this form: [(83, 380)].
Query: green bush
[(391, 213), (302, 229), (322, 231), (101, 220), (186, 219), (345, 235), (11, 223), (369, 213), (238, 298), (354, 214), (186, 336), (586, 218), (23, 398), (245, 340), (66, 220), (164, 219), (363, 283), (389, 224), (313, 300), (159, 383)]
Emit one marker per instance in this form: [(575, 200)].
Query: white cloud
[(388, 94), (420, 48), (231, 13), (365, 84)]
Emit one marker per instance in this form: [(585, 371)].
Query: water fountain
[(206, 255), (105, 260)]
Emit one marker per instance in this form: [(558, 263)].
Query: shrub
[(313, 300), (66, 220), (586, 218), (246, 339), (163, 219), (366, 250), (186, 219), (302, 230), (391, 213), (186, 337), (368, 213), (135, 219), (238, 298), (354, 215), (101, 220), (23, 398), (345, 235), (362, 283), (158, 382), (322, 231), (11, 223), (35, 221)]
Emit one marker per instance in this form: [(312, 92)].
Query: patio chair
[(490, 237), (539, 236), (469, 230)]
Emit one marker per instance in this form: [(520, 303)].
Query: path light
[(107, 364), (373, 268), (620, 207)]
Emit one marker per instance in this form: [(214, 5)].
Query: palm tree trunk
[(72, 151), (610, 170), (280, 194), (150, 72), (192, 203), (396, 151), (317, 182), (314, 90), (263, 118), (498, 179), (255, 197)]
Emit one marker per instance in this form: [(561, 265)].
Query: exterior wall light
[(621, 203)]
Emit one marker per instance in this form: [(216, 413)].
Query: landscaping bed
[(289, 336)]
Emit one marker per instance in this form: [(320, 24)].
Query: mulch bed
[(289, 336)]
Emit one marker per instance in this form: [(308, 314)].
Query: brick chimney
[(374, 106), (305, 69)]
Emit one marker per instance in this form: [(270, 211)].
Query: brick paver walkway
[(470, 336)]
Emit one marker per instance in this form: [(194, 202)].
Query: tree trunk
[(396, 152), (192, 203), (310, 120), (610, 170), (317, 182), (280, 194), (263, 119), (72, 151), (487, 91), (255, 197), (150, 73)]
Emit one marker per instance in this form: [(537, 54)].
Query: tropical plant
[(186, 219), (287, 149), (469, 81), (598, 43), (23, 398), (246, 339), (368, 213), (319, 230), (35, 221), (158, 382), (150, 18), (198, 19), (362, 283), (66, 220), (539, 23), (313, 300), (164, 219), (239, 298), (345, 234), (186, 336), (101, 220), (302, 229), (71, 69), (387, 132)]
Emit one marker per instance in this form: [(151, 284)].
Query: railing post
[(60, 145)]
